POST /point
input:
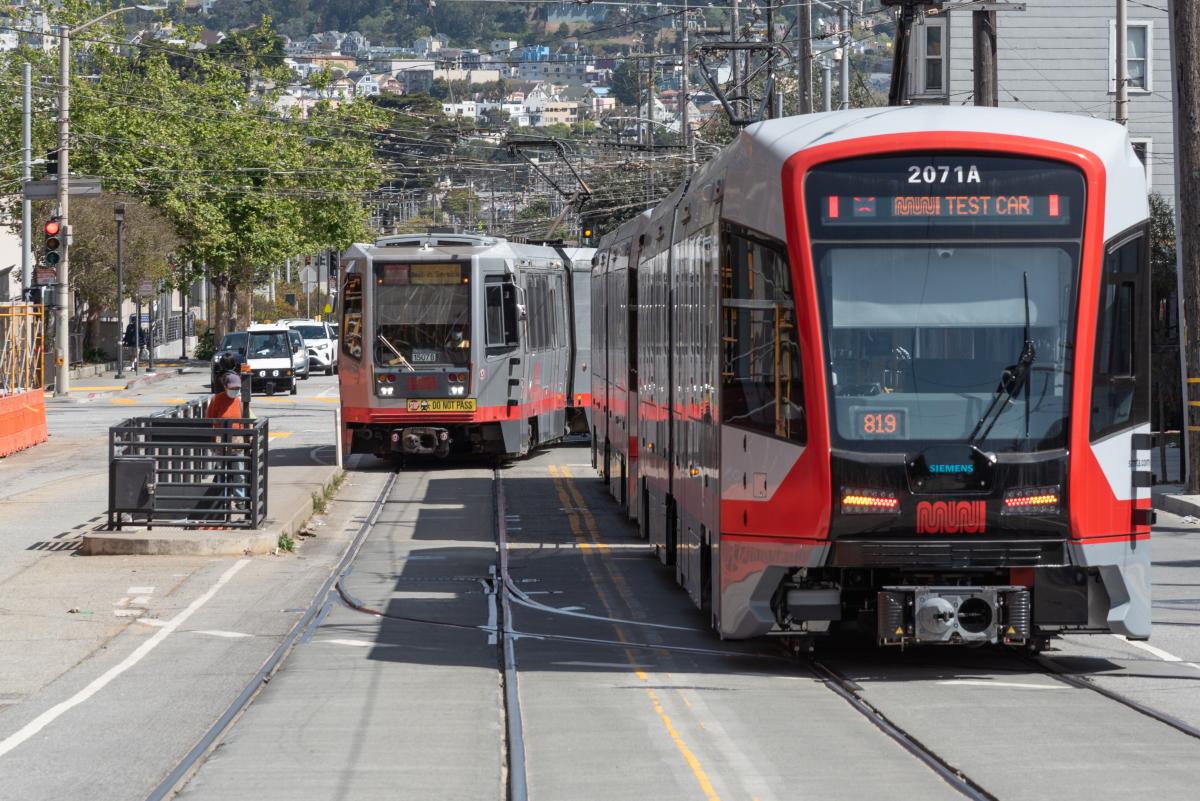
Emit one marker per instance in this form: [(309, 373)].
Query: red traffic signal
[(53, 243)]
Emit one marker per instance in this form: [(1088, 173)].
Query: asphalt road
[(624, 694), (111, 668)]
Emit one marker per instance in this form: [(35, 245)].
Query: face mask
[(233, 393)]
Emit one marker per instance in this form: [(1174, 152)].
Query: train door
[(599, 361), (709, 376), (632, 496)]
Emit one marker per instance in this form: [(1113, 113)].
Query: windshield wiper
[(1012, 380), (399, 355)]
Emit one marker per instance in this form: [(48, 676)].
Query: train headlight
[(1031, 501), (386, 391), (869, 502), (458, 389)]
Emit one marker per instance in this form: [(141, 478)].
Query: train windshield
[(422, 314), (948, 288)]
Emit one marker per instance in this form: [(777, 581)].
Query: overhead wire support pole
[(1185, 44), (1122, 59), (844, 26), (987, 89), (27, 175), (804, 56)]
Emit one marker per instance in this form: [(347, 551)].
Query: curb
[(1177, 503), (175, 542)]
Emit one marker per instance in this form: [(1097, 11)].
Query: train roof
[(436, 246), (752, 164)]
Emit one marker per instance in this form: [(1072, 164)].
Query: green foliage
[(624, 84), (205, 346), (194, 135), (1164, 336)]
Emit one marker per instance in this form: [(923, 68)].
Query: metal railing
[(22, 337), (178, 468)]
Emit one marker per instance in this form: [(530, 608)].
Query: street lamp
[(62, 346)]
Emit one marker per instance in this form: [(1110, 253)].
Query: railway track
[(660, 640)]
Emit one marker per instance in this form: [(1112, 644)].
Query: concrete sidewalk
[(94, 381)]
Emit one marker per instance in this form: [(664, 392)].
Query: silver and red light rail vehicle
[(462, 343), (887, 369)]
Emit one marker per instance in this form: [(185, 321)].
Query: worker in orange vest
[(226, 402)]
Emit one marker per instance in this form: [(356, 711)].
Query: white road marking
[(361, 643), (328, 393), (1165, 656), (140, 590), (53, 713), (149, 621), (128, 612), (1014, 684), (141, 600), (218, 633), (122, 602)]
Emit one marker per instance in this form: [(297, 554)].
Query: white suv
[(320, 343)]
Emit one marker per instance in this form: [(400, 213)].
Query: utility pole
[(736, 73), (684, 119), (804, 57), (27, 174), (492, 190), (826, 86), (650, 127), (844, 24), (62, 314), (1185, 44), (119, 215), (987, 84), (1122, 63), (770, 98)]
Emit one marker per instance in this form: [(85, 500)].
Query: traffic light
[(53, 244), (587, 236), (52, 163)]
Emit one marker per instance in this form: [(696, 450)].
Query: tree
[(624, 84), (1164, 334)]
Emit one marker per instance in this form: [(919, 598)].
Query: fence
[(179, 468), (22, 336)]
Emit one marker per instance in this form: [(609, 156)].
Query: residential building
[(1060, 55), (364, 84)]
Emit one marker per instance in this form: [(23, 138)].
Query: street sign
[(308, 276), (47, 188), (45, 275), (328, 308), (146, 288)]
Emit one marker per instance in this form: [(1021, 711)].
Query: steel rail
[(1056, 671), (192, 760), (850, 693), (517, 788)]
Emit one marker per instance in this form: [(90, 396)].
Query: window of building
[(930, 58), (761, 385), (1144, 149), (1139, 55)]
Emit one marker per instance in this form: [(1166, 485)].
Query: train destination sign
[(425, 273), (1050, 209)]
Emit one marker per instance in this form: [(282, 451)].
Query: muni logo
[(951, 517)]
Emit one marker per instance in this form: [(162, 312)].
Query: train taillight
[(869, 502), (1031, 501)]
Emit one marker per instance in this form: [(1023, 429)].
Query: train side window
[(352, 315), (501, 315), (1120, 383), (762, 387)]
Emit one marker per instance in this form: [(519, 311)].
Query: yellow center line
[(111, 388), (279, 434), (576, 509), (124, 401)]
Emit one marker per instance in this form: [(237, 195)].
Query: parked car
[(299, 354), (269, 355), (320, 343), (234, 343)]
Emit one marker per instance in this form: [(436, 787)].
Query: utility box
[(131, 484)]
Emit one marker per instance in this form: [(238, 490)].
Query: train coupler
[(953, 615), (421, 441)]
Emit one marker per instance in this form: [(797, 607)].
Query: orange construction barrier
[(22, 421)]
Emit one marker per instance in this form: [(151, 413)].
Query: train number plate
[(441, 405)]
